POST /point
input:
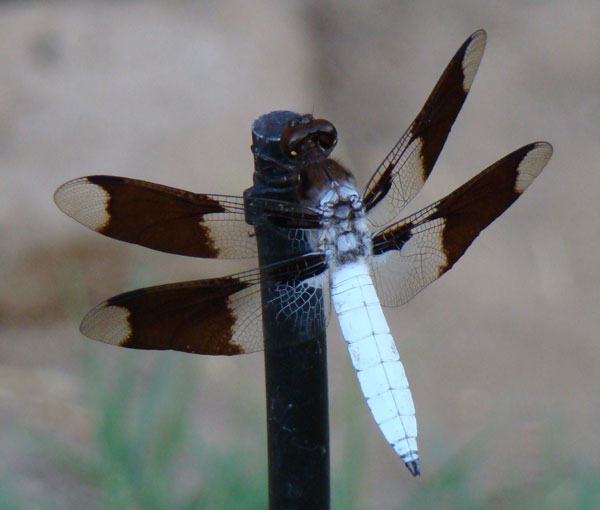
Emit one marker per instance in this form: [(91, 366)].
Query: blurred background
[(502, 353)]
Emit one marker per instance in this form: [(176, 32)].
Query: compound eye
[(327, 134), (327, 140), (306, 133), (289, 142)]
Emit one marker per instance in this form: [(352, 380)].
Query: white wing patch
[(532, 165), (472, 58), (85, 202), (109, 324)]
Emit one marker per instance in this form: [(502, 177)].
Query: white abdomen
[(375, 358)]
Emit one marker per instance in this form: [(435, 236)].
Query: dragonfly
[(354, 248)]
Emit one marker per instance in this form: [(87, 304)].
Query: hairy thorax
[(332, 193)]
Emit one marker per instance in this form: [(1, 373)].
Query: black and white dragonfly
[(354, 246)]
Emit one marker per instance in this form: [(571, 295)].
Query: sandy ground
[(167, 91)]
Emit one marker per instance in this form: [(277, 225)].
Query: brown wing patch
[(478, 202), (158, 217), (198, 317), (407, 166), (434, 122)]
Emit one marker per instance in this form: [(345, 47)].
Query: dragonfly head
[(307, 139)]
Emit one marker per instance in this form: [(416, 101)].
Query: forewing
[(405, 169), (174, 220), (411, 254)]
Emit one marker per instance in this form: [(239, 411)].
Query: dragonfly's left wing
[(405, 169), (414, 252), (218, 316), (174, 220)]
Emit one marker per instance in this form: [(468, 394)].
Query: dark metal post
[(295, 363)]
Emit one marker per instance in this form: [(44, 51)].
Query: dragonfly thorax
[(345, 235)]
